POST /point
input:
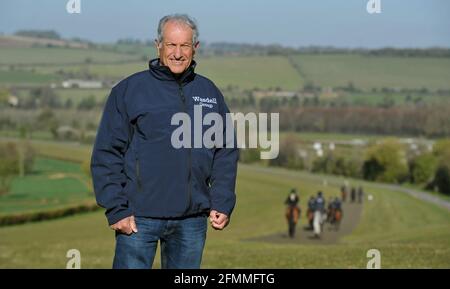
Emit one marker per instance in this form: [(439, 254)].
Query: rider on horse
[(337, 213), (292, 211), (310, 212), (319, 212)]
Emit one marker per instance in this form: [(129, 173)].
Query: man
[(153, 191), (293, 211), (360, 194), (337, 213), (292, 199), (353, 195), (310, 211), (330, 210), (319, 209), (344, 193)]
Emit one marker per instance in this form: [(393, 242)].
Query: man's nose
[(178, 53)]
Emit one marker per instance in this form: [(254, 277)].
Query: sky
[(339, 23)]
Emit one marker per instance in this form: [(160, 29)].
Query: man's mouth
[(176, 62)]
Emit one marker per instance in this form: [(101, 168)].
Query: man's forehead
[(173, 28)]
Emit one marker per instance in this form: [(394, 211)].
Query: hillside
[(408, 232)]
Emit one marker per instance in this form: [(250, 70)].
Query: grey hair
[(179, 18)]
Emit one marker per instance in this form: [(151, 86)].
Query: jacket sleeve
[(224, 169), (107, 161)]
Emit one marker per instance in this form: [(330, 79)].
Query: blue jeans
[(182, 242)]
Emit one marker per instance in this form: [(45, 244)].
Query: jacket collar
[(163, 72)]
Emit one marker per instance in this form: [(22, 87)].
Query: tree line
[(430, 120)]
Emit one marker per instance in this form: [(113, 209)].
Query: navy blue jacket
[(136, 170), (319, 204)]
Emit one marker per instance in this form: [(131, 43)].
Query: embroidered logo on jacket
[(205, 101)]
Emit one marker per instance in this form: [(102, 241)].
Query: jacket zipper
[(183, 99)]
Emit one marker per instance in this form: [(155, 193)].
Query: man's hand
[(126, 226), (218, 220)]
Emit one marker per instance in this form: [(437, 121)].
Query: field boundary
[(23, 218)]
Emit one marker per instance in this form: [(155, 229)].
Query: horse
[(292, 215), (310, 217), (336, 218)]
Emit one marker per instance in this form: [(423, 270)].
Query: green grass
[(422, 187), (141, 50), (41, 135), (318, 136), (248, 72), (71, 152), (25, 77), (52, 184), (118, 70), (57, 55), (407, 231), (367, 72), (77, 95)]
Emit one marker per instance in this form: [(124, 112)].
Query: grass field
[(77, 95), (141, 50), (367, 72), (52, 184), (408, 232), (250, 72), (101, 71), (246, 72), (25, 77), (40, 135), (56, 55)]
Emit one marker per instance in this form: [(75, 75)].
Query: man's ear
[(157, 46), (196, 46)]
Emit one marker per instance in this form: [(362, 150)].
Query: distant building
[(79, 83)]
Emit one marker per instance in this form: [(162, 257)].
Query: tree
[(249, 155), (8, 166), (423, 168), (441, 148), (45, 97), (47, 120), (442, 176), (68, 104), (388, 101), (385, 162), (11, 162), (442, 179), (288, 155), (4, 95), (87, 103), (324, 164)]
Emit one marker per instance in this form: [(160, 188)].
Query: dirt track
[(352, 214)]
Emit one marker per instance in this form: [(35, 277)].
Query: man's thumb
[(133, 225)]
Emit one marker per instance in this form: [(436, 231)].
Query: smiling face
[(176, 49)]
